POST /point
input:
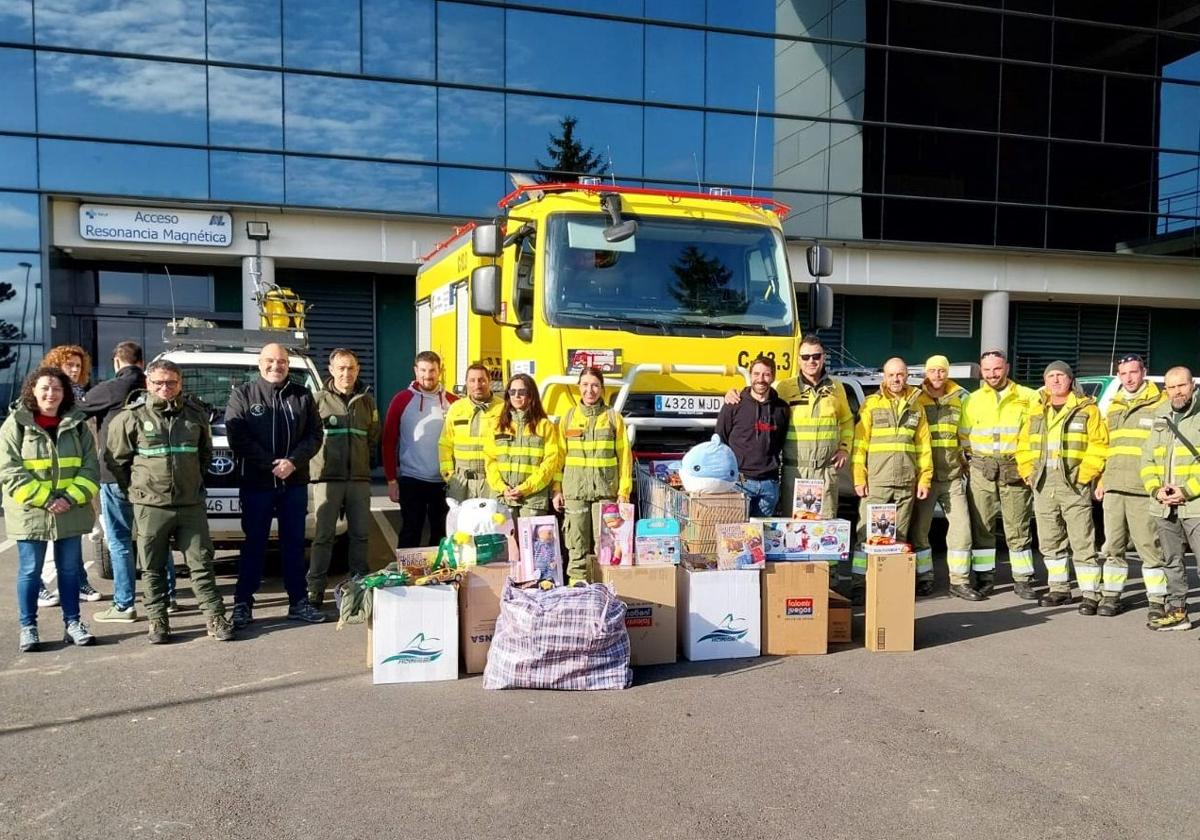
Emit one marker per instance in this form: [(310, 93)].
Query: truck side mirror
[(485, 241), (820, 306), (820, 261), (485, 290)]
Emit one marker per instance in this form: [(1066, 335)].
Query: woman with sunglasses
[(597, 468), (521, 452)]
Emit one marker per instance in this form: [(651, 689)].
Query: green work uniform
[(942, 414)]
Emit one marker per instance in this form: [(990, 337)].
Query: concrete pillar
[(264, 268), (993, 323)]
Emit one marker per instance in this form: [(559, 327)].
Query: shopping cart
[(698, 514)]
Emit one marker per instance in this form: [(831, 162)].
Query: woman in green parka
[(48, 470)]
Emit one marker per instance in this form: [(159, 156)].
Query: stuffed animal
[(709, 467), (479, 528)]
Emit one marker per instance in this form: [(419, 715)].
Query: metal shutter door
[(341, 313)]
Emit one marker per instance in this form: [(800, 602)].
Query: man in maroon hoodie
[(410, 452), (755, 428)]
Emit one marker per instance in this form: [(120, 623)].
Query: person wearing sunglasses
[(521, 450)]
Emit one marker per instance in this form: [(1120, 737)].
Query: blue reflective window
[(1179, 117), (470, 127), (19, 220), (361, 185), (245, 108), (248, 31), (674, 144), (674, 65), (246, 176), (22, 311), (730, 159), (151, 28), (631, 8), (16, 21), (470, 44), (758, 15), (612, 132), (398, 38), (18, 162), (122, 98), (740, 72), (470, 192), (360, 117), (557, 53), (322, 35), (71, 166), (686, 11), (1177, 193), (16, 93)]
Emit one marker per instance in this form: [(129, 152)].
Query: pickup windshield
[(212, 383), (675, 276)]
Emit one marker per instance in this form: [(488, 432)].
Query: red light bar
[(458, 231), (777, 207)]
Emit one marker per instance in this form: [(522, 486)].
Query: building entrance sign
[(165, 225)]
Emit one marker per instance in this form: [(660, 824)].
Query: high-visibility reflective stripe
[(1114, 578), (593, 461), (924, 560), (1056, 570), (37, 463), (1088, 576), (26, 491), (159, 451), (87, 484), (1151, 470), (574, 445), (959, 562), (1155, 580), (1193, 486), (858, 565), (1021, 562), (983, 559), (516, 467), (343, 430), (504, 450), (888, 447), (799, 419), (77, 494), (944, 428), (795, 434), (1114, 451), (939, 443), (42, 495), (1138, 434)]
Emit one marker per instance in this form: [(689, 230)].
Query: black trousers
[(421, 502)]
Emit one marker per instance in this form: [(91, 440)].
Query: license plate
[(686, 404), (224, 505)]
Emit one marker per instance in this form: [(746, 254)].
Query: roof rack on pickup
[(189, 336)]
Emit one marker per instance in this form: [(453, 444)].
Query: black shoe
[(242, 616), (1054, 599), (1109, 606), (961, 590), (1088, 607), (858, 597), (1024, 590), (924, 588), (1155, 612), (985, 584)]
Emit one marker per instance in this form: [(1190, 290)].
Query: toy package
[(667, 472), (740, 546), (540, 557), (787, 540), (415, 561), (881, 531), (807, 498), (614, 542), (658, 542)]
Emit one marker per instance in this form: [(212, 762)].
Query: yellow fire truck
[(672, 294)]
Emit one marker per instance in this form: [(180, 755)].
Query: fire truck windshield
[(676, 276)]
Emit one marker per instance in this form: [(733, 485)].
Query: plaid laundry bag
[(569, 638)]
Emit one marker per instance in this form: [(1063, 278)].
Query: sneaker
[(76, 632), (46, 598), (116, 615), (304, 611), (1176, 619), (160, 631), (1109, 606), (29, 639), (242, 616), (87, 592), (1155, 613), (173, 607), (220, 628)]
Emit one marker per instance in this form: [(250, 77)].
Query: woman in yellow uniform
[(597, 468), (521, 451)]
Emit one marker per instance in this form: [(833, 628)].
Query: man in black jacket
[(274, 430), (755, 428)]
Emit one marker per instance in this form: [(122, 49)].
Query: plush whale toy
[(476, 517), (709, 467)]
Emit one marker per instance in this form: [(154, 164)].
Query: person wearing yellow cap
[(941, 400)]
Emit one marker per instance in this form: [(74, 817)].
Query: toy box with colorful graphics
[(740, 546), (882, 531), (807, 539), (539, 556), (808, 496), (414, 634), (720, 613), (614, 543), (658, 542)]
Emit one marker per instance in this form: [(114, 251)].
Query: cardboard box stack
[(650, 597), (891, 602)]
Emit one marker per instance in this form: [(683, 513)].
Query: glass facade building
[(1031, 124)]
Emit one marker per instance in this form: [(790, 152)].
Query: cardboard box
[(614, 545), (720, 613), (415, 634), (891, 602), (540, 556), (839, 619), (478, 608), (795, 607), (658, 542), (813, 539), (650, 594)]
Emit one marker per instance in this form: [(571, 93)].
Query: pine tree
[(568, 158), (702, 285), (8, 332)]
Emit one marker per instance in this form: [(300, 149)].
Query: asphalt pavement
[(1008, 721)]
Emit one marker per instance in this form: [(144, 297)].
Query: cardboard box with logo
[(478, 608), (650, 595), (414, 634), (795, 607), (720, 613), (839, 619), (891, 602)]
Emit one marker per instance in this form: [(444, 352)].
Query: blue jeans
[(764, 495), (68, 560), (116, 512), (289, 505)]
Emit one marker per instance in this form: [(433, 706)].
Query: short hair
[(428, 356), (167, 365), (342, 351), (592, 370), (1184, 370), (30, 401), (813, 339), (479, 366), (1000, 354), (767, 361), (58, 355), (129, 352)]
